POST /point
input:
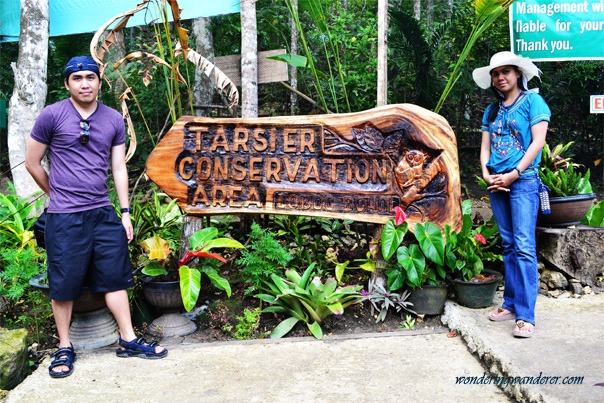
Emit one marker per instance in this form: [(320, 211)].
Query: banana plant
[(202, 242), (306, 299), (487, 12), (168, 50)]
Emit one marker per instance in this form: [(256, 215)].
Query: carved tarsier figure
[(422, 184)]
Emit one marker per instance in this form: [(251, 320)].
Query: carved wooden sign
[(356, 165)]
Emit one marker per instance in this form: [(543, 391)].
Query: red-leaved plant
[(202, 242)]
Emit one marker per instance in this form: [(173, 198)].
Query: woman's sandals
[(523, 329), (501, 314)]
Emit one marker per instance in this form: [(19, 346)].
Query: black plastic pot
[(429, 300), (477, 294)]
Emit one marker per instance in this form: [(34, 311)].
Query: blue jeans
[(516, 215)]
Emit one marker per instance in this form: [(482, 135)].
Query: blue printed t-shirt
[(511, 131), (78, 172)]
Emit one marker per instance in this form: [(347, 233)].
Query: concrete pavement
[(383, 367), (567, 348)]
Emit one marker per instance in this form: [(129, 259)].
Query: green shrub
[(263, 257), (19, 266), (15, 226), (247, 325)]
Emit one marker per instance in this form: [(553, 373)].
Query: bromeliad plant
[(559, 173), (202, 242), (306, 299)]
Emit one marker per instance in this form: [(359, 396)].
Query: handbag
[(40, 229)]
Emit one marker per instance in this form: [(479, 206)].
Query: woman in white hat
[(513, 135)]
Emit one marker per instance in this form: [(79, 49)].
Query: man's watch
[(126, 210), (519, 171)]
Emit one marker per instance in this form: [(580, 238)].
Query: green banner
[(556, 30)]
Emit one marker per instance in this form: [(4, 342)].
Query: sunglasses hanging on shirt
[(85, 133)]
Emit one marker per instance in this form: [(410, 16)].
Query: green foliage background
[(421, 53)]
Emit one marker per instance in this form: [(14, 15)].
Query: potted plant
[(465, 251), (180, 283), (155, 214), (570, 191), (419, 265)]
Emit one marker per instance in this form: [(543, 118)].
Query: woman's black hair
[(495, 109)]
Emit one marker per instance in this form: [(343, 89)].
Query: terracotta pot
[(566, 211), (477, 294)]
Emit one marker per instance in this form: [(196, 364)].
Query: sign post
[(557, 30), (357, 165)]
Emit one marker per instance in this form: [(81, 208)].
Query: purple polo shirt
[(78, 172)]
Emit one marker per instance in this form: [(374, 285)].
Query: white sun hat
[(482, 75)]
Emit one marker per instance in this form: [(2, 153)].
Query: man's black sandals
[(63, 356), (141, 348)]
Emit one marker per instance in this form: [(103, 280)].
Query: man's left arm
[(120, 178)]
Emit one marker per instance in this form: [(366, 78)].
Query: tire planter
[(566, 211), (477, 294), (429, 300)]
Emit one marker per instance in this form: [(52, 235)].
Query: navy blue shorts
[(88, 248)]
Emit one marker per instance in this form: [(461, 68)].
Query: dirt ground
[(357, 319)]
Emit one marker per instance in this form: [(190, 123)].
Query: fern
[(18, 267), (263, 257)]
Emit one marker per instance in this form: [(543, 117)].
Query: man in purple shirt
[(86, 242)]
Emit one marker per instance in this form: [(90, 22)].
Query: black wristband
[(519, 171), (126, 210)]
